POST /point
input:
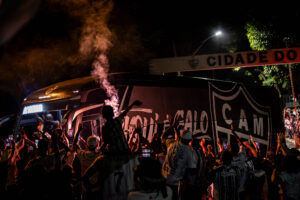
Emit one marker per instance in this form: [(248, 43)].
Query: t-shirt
[(116, 175), (86, 158), (244, 166), (287, 124), (291, 184), (226, 183), (47, 163), (196, 173), (157, 195), (179, 157), (113, 135)]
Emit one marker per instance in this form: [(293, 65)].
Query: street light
[(217, 34), (193, 62)]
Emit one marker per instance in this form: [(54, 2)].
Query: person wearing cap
[(178, 159), (49, 124), (86, 157)]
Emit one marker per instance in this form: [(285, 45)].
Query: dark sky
[(186, 25), (162, 25)]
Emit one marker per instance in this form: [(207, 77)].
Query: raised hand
[(251, 138), (278, 139), (218, 141), (138, 129), (175, 122), (231, 127), (202, 142)]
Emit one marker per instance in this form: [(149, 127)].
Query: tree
[(269, 34)]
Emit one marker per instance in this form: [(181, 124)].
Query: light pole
[(193, 62)]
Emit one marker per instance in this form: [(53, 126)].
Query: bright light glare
[(33, 109), (218, 33), (45, 97)]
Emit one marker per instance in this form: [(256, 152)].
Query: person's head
[(43, 147), (186, 136), (92, 143), (291, 163), (292, 116), (235, 148), (148, 174), (226, 157), (195, 144), (270, 155), (58, 131), (287, 116), (209, 148), (49, 117), (107, 112), (2, 144)]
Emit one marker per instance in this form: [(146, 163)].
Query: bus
[(206, 107)]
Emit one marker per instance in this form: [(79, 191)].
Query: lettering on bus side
[(193, 120)]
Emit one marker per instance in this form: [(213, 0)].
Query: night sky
[(43, 42)]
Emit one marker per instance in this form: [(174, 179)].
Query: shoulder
[(169, 193), (240, 159), (79, 152), (169, 190), (170, 142), (283, 176), (137, 195), (218, 169)]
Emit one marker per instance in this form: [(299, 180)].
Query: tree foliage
[(268, 35)]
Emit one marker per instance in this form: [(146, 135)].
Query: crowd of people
[(291, 124), (174, 165)]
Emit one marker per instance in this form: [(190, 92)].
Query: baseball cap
[(186, 134)]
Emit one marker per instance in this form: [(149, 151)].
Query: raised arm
[(130, 143), (28, 141), (74, 146), (202, 144), (22, 140), (84, 143), (285, 150), (247, 145), (220, 145), (278, 148), (254, 144), (12, 154), (135, 103), (172, 129)]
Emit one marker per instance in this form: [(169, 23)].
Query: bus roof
[(72, 88)]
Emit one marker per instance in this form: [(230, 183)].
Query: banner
[(225, 60), (207, 112), (236, 106)]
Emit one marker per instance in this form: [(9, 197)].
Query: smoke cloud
[(69, 39), (96, 37)]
